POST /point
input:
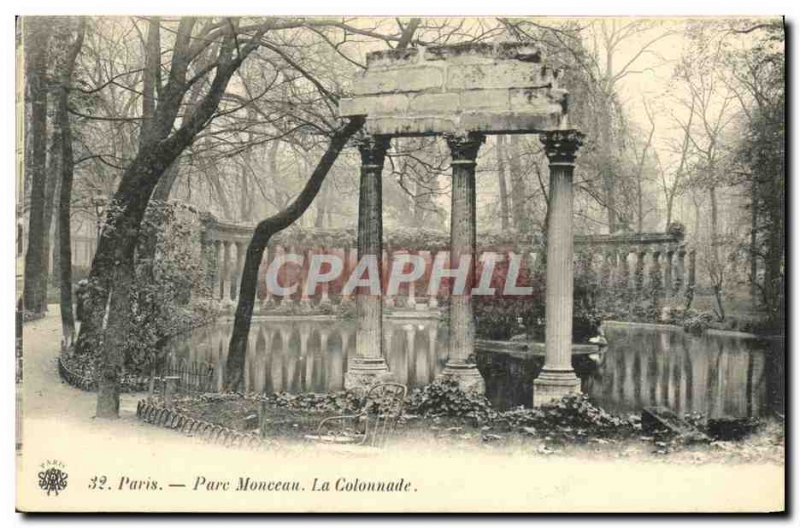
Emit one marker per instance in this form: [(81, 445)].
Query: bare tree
[(35, 37)]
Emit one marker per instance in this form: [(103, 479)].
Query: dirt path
[(59, 425)]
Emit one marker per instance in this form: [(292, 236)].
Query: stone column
[(347, 268), (606, 269), (324, 296), (411, 356), (215, 273), (433, 299), (225, 276), (369, 364), (305, 297), (690, 281), (557, 378), (387, 258), (668, 275), (656, 278), (679, 270), (237, 282), (460, 361), (625, 270), (411, 299), (638, 277), (262, 277)]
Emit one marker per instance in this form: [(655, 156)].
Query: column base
[(363, 373), (552, 385), (467, 375)]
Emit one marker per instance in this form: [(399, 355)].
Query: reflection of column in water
[(735, 395), (334, 362), (261, 359), (305, 364), (320, 361), (659, 375), (681, 381), (717, 370), (699, 364), (640, 370), (252, 368), (393, 355), (348, 340), (756, 387), (293, 360), (616, 377), (411, 359), (433, 349), (280, 357), (269, 336), (422, 354), (219, 339), (651, 375), (442, 347), (628, 383), (246, 368)]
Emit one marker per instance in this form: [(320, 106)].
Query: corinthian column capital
[(561, 146), (373, 150), (464, 147)]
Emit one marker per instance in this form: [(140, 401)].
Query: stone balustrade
[(636, 262)]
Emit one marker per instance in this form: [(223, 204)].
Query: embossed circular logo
[(52, 477)]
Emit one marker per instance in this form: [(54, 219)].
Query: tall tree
[(35, 41), (501, 180), (112, 267), (62, 124)]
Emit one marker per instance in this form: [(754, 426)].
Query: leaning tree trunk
[(234, 366), (237, 347)]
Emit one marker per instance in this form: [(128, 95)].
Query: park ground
[(449, 470)]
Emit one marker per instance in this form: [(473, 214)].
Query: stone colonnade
[(557, 377), (369, 363)]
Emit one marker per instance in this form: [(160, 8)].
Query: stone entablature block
[(492, 88)]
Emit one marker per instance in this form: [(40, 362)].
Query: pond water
[(718, 375)]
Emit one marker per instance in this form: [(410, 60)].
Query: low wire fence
[(191, 376)]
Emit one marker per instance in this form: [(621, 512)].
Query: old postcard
[(350, 264)]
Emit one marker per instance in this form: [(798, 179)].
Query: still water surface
[(718, 375)]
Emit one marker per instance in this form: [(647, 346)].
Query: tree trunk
[(754, 242), (670, 204), (322, 207), (501, 180), (518, 189), (64, 245), (234, 367), (113, 261), (115, 333), (36, 37), (52, 184), (167, 182)]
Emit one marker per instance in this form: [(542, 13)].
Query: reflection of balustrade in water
[(713, 375), (297, 355)]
